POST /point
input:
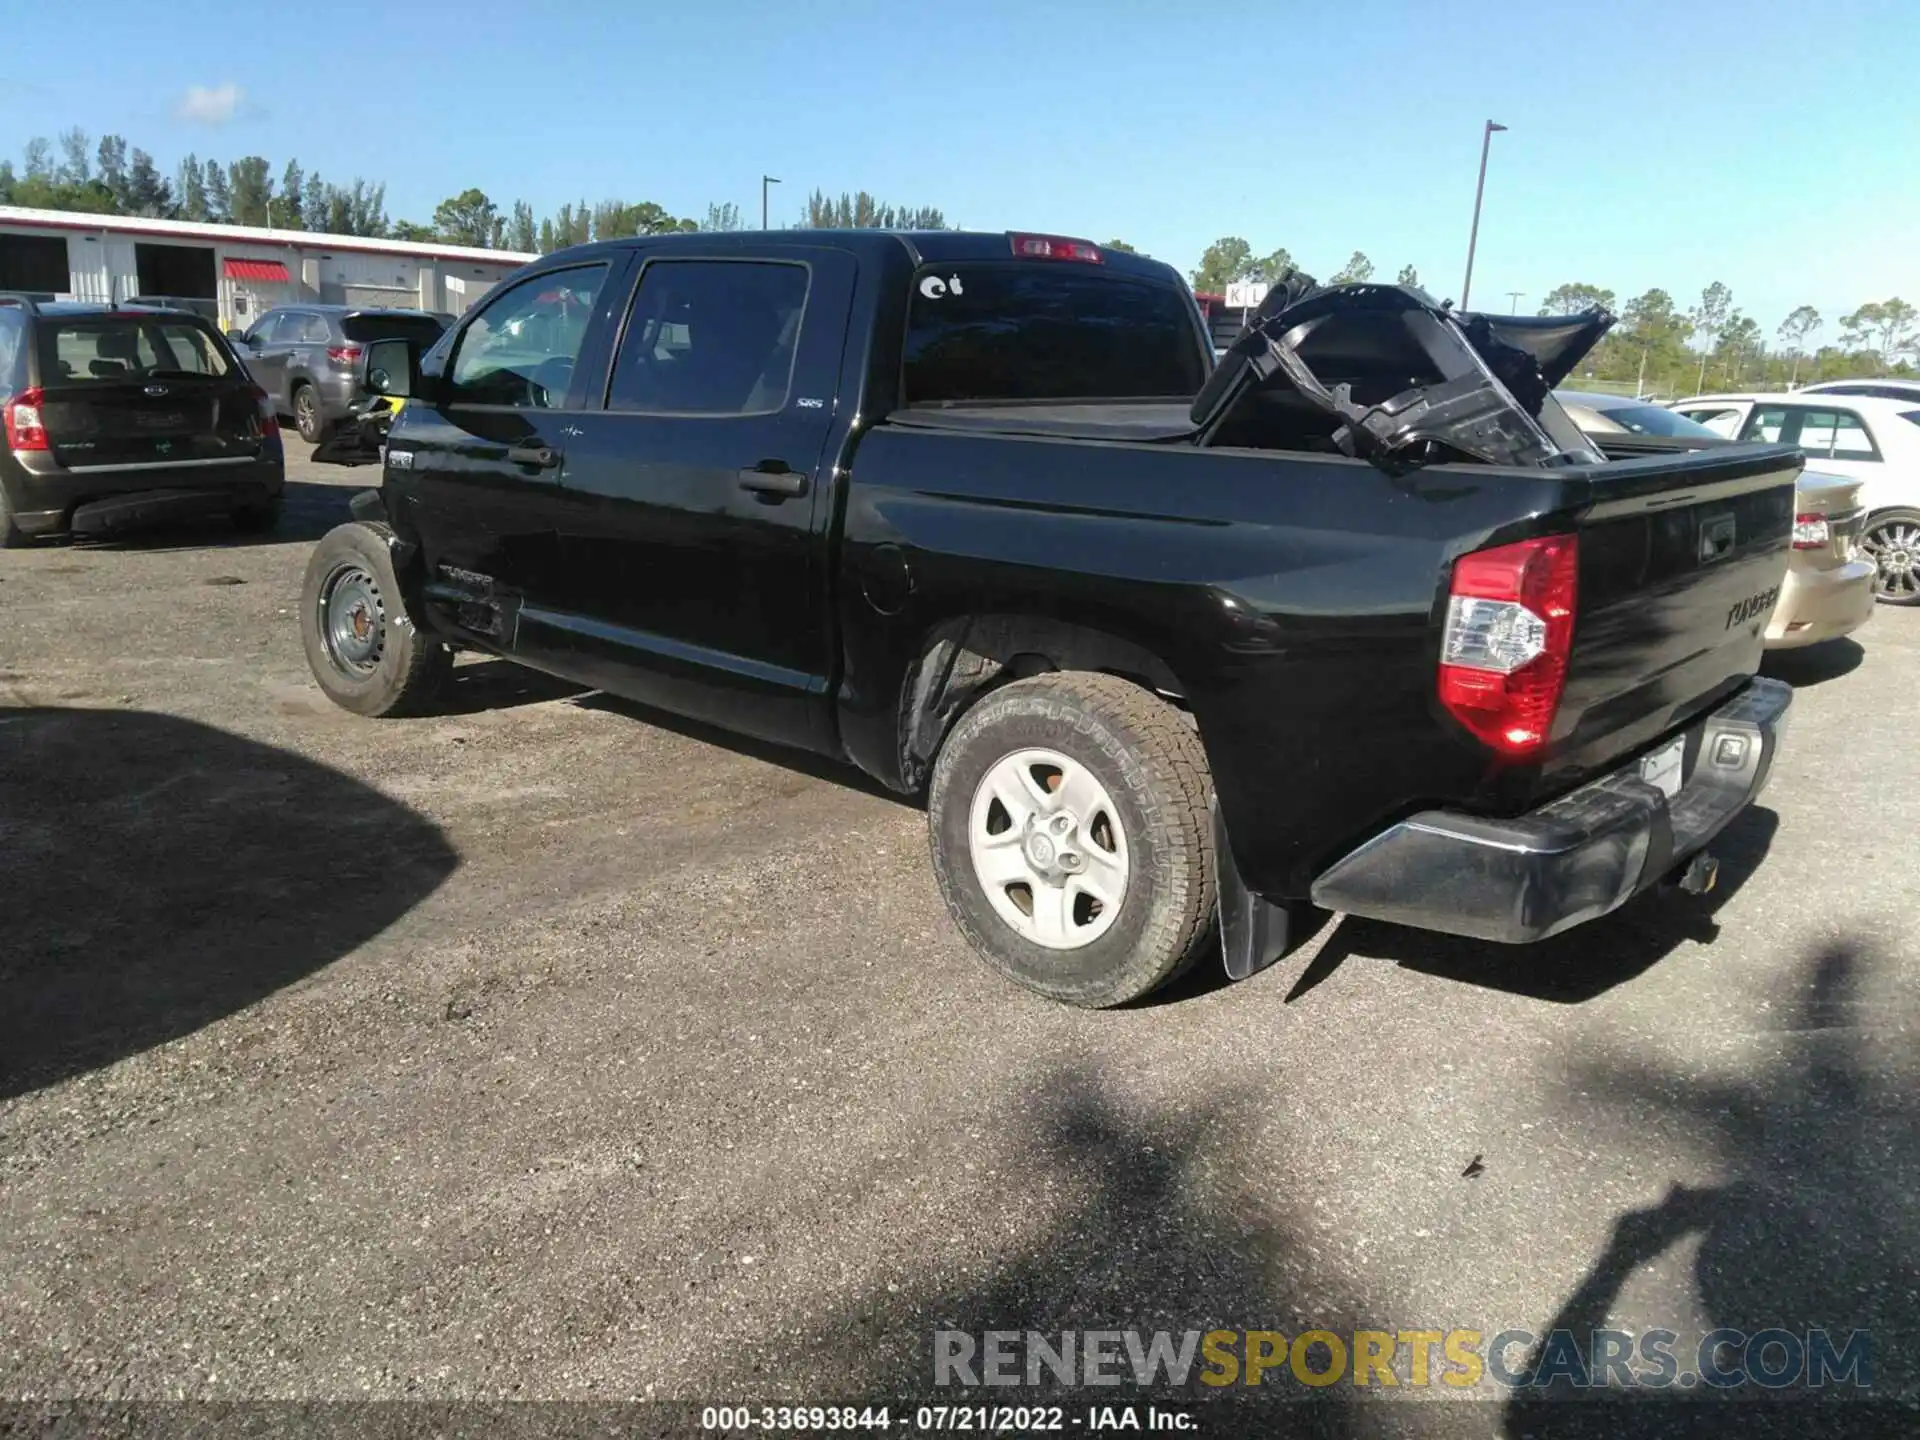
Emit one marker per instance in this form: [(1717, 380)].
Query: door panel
[(478, 473), (266, 360), (694, 514)]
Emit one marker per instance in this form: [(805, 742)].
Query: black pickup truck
[(1355, 618)]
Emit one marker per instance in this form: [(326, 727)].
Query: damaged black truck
[(1355, 619)]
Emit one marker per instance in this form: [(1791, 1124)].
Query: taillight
[(25, 429), (269, 420), (1503, 660), (1811, 532), (343, 354), (1055, 247)]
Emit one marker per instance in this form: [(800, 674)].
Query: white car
[(1884, 389), (1870, 438), (1828, 589)]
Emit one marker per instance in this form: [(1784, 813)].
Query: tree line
[(1659, 348), (1230, 260), (112, 178), (1664, 350)]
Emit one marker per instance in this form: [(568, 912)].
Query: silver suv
[(305, 357)]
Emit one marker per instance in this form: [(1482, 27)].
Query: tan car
[(1828, 591)]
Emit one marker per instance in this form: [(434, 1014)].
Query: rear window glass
[(1654, 420), (13, 329), (1053, 331), (421, 329), (81, 352)]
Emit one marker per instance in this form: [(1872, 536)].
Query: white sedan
[(1874, 439), (1828, 590)]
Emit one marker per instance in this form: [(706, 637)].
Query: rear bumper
[(1587, 853), (51, 502), (1817, 605)]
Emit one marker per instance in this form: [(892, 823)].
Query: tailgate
[(152, 422), (1681, 559)]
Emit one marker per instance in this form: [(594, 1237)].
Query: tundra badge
[(1752, 607)]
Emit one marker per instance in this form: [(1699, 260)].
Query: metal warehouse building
[(239, 269)]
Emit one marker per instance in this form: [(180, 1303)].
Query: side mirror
[(392, 367), (240, 337)]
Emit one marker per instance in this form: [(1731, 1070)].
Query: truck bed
[(1297, 599)]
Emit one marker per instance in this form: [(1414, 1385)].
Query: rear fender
[(369, 507), (967, 656)]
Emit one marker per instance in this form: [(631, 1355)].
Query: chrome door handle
[(780, 484)]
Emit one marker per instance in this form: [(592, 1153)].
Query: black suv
[(126, 414), (306, 357)]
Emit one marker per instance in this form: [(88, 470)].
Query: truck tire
[(362, 647), (1071, 836)]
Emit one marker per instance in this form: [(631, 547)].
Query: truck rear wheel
[(361, 645), (1071, 839)]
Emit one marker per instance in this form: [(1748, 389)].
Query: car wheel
[(1071, 837), (361, 645), (1892, 542), (257, 517), (306, 414)]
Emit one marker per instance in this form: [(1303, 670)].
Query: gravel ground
[(554, 1049)]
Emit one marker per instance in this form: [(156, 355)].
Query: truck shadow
[(1576, 965), (500, 685), (164, 874), (801, 762), (1814, 665), (311, 510), (1807, 1222)]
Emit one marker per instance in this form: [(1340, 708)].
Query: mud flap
[(1254, 932)]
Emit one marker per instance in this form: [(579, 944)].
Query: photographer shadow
[(1815, 1228)]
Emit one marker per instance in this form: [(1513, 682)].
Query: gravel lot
[(555, 1049)]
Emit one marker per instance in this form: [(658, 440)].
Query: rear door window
[(1823, 433), (1851, 440), (305, 329), (710, 337), (423, 330), (1047, 331), (80, 352)]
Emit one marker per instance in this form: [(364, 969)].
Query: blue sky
[(1774, 147)]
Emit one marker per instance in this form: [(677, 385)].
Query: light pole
[(1480, 189), (1513, 299), (765, 181)]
